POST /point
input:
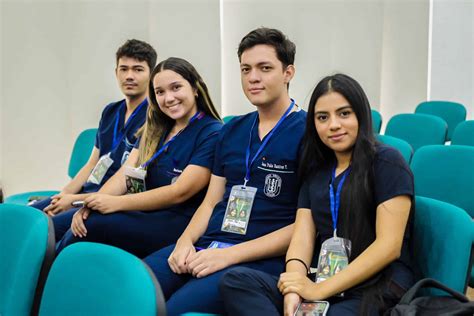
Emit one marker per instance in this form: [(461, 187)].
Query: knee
[(238, 277)]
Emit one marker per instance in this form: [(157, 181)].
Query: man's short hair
[(139, 50), (285, 49)]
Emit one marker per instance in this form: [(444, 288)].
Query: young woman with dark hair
[(167, 171), (356, 192)]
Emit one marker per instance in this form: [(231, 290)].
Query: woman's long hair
[(158, 123), (357, 211)]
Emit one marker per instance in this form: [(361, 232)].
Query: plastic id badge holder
[(238, 209), (135, 179), (333, 257), (100, 169)]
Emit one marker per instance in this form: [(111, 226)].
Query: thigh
[(245, 291), (169, 281), (343, 307), (197, 295), (139, 233), (41, 204)]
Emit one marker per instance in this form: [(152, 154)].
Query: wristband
[(299, 260)]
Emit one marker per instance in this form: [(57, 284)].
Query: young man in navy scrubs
[(115, 136), (246, 217)]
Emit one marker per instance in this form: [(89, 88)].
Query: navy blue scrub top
[(273, 173), (392, 178), (105, 135), (194, 146)]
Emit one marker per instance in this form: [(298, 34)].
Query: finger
[(172, 265), (85, 213), (204, 272), (290, 289)]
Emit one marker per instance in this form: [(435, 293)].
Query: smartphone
[(78, 204), (312, 308)]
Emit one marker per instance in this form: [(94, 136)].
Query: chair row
[(95, 279), (85, 279)]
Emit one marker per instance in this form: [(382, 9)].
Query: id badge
[(218, 245), (135, 179), (238, 209), (100, 169), (333, 257)]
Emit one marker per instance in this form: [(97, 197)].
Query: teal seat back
[(376, 121), (403, 147), (95, 279), (417, 129), (443, 239), (452, 112), (445, 173), (463, 134), (227, 118), (81, 151), (26, 251)]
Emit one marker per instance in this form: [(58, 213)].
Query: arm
[(391, 221), (273, 244), (178, 259), (301, 247), (62, 201)]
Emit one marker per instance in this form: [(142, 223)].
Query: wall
[(452, 65)]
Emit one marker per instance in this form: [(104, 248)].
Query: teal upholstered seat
[(227, 118), (95, 279), (463, 134), (445, 173), (403, 147), (452, 112), (376, 121), (443, 239), (79, 157), (417, 129), (26, 253)]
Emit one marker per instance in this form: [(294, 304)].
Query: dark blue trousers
[(139, 233), (249, 292), (184, 293), (41, 204), (62, 222)]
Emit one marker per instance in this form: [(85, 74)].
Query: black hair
[(285, 49), (139, 50), (357, 217)]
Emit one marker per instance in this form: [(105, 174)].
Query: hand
[(178, 258), (290, 304), (59, 203), (295, 282), (78, 227), (208, 261), (103, 203)]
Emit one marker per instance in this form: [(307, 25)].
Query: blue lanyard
[(199, 115), (249, 163), (118, 136), (335, 203)]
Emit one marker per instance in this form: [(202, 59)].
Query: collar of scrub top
[(119, 135), (248, 162), (335, 200), (199, 115)]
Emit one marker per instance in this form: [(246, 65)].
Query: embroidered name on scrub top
[(335, 251), (241, 197), (105, 161), (135, 177)]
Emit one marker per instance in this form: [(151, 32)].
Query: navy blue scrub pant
[(249, 292), (41, 204), (139, 233), (185, 293)]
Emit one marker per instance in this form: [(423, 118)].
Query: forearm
[(302, 243), (115, 185), (75, 185), (152, 200), (270, 245), (376, 257)]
